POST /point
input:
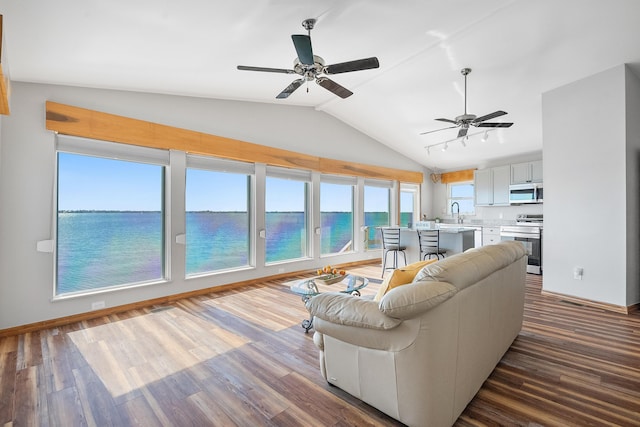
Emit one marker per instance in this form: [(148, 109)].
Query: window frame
[(414, 190), (292, 175), (451, 199), (344, 181), (120, 152), (219, 165), (389, 186)]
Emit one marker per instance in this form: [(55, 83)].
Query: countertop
[(451, 230)]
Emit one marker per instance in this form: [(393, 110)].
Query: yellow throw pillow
[(401, 276)]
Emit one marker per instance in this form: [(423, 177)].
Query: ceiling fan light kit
[(312, 67)]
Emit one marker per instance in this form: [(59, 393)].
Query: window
[(377, 205), (217, 215), (286, 215), (409, 204), (336, 214), (110, 216), (462, 193)]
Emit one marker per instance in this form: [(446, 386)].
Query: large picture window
[(377, 206), (286, 217), (217, 215), (336, 214), (110, 218)]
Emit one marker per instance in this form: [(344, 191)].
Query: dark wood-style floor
[(241, 358)]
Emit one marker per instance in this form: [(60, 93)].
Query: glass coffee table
[(308, 288)]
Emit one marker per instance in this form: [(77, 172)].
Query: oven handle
[(521, 235)]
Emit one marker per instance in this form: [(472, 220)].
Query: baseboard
[(62, 321), (635, 308), (595, 304)]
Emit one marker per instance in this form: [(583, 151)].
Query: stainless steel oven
[(528, 231)]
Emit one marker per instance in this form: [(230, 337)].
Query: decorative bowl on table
[(328, 275)]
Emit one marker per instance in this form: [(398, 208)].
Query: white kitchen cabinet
[(491, 186), (490, 235), (522, 173)]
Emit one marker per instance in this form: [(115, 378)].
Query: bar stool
[(391, 243), (430, 244)]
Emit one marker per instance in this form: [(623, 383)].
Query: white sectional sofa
[(422, 352)]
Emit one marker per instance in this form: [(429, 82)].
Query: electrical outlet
[(97, 305), (578, 272)]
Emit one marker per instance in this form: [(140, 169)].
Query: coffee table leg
[(307, 323)]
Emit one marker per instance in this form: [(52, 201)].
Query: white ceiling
[(517, 50)]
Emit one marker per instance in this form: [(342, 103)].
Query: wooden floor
[(241, 358)]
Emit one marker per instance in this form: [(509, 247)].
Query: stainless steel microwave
[(525, 193)]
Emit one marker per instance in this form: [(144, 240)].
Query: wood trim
[(457, 176), (76, 121), (589, 303), (4, 78), (61, 321)]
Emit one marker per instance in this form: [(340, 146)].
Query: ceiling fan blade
[(334, 87), (448, 121), (357, 65), (290, 89), (494, 125), (437, 130), (462, 132), (302, 44), (489, 116), (268, 70)]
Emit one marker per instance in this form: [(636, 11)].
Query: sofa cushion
[(401, 276), (348, 310), (405, 302), (463, 270)]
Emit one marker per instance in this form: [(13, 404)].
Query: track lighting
[(463, 140)]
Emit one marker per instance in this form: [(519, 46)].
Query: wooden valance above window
[(76, 121), (457, 176)]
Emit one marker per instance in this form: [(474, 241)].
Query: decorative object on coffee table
[(329, 275)]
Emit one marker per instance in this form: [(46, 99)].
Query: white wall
[(27, 161), (587, 193)]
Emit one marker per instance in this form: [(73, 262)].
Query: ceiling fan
[(464, 121), (312, 67)]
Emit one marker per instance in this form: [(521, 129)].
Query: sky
[(93, 183)]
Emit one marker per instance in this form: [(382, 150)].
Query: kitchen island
[(454, 240)]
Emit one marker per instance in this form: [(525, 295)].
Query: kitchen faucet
[(458, 206)]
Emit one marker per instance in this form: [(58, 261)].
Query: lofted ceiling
[(516, 49)]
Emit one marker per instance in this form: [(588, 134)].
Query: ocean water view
[(103, 249)]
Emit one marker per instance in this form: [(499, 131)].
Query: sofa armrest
[(347, 310), (408, 301)]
